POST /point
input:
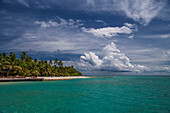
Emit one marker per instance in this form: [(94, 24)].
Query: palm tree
[(60, 63), (23, 55), (51, 62), (56, 61), (35, 73), (36, 60), (29, 59), (11, 53), (26, 67), (4, 54), (45, 62), (12, 57), (8, 68), (17, 70), (26, 72)]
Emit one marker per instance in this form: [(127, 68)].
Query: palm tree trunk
[(8, 72)]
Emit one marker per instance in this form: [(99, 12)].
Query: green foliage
[(60, 63), (26, 66), (36, 60), (23, 55), (4, 54)]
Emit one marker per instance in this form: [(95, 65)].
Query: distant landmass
[(26, 66)]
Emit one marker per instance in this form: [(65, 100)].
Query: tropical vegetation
[(26, 66)]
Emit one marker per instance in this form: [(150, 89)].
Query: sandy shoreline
[(62, 78), (41, 78)]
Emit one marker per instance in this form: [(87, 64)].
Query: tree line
[(26, 66)]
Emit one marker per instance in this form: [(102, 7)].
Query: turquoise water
[(121, 94)]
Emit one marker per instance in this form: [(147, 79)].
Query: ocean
[(120, 94)]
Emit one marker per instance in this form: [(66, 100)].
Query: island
[(26, 68)]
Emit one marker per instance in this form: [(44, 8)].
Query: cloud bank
[(50, 35), (112, 59), (142, 11)]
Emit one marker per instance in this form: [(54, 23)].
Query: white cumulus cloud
[(112, 59), (92, 59)]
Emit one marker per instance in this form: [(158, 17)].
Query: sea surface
[(121, 94)]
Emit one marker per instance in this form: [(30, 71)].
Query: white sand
[(63, 78), (42, 78)]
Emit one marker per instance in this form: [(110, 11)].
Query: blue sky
[(98, 37)]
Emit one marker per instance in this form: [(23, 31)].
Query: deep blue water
[(122, 94)]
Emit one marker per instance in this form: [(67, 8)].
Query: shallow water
[(122, 94)]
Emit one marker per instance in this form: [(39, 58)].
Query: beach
[(61, 78), (41, 78)]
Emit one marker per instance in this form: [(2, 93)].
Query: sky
[(98, 37)]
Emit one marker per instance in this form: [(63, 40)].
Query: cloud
[(29, 36), (44, 24), (23, 2), (165, 36), (149, 55), (131, 37), (142, 11), (133, 26), (154, 36), (91, 58), (49, 4), (59, 22), (50, 35), (164, 13), (101, 21), (112, 59), (91, 2), (111, 31)]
